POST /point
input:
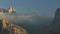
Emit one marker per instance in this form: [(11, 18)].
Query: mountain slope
[(10, 28)]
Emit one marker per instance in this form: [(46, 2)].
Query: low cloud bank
[(32, 22)]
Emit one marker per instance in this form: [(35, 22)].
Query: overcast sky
[(43, 7)]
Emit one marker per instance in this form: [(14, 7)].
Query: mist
[(33, 23)]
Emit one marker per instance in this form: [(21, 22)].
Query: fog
[(33, 23)]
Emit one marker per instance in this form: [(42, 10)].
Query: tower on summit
[(11, 9)]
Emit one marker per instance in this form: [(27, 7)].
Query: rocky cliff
[(57, 16), (55, 26), (10, 28)]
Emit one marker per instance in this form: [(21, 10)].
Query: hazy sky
[(43, 7)]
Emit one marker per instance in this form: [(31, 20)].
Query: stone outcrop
[(55, 26), (57, 16), (9, 28)]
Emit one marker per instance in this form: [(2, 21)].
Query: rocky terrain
[(10, 28)]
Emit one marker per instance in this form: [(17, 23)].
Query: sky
[(42, 7)]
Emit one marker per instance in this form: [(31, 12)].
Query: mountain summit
[(57, 16), (55, 26), (7, 27)]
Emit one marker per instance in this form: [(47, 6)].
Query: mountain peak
[(57, 16)]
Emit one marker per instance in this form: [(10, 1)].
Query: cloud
[(27, 18), (32, 22)]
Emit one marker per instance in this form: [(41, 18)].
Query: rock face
[(57, 16), (9, 28), (55, 26)]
